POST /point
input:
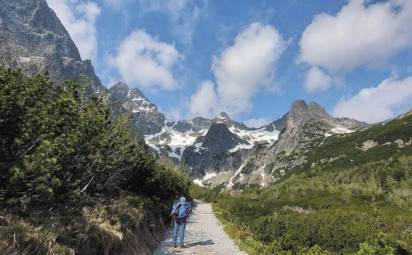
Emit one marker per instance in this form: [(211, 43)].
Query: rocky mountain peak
[(299, 106), (120, 86), (145, 115), (224, 116), (302, 112), (318, 110), (219, 139), (405, 114), (33, 39), (119, 90), (136, 93)]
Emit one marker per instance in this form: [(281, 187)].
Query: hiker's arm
[(173, 209)]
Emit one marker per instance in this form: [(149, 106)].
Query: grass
[(105, 227), (243, 239), (341, 201)]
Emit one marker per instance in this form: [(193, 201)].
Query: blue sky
[(251, 59)]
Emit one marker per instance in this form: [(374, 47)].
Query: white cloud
[(173, 114), (259, 122), (359, 34), (205, 101), (79, 18), (317, 80), (247, 66), (378, 103), (144, 61)]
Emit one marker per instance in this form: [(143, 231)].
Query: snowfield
[(178, 141)]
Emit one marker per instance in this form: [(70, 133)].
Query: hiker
[(180, 213)]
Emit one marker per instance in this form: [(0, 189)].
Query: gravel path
[(204, 236)]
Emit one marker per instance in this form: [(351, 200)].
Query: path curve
[(204, 236)]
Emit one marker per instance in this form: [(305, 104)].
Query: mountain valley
[(91, 168)]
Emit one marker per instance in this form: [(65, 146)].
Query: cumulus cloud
[(317, 80), (205, 101), (378, 103), (247, 66), (79, 18), (256, 123), (144, 61), (240, 72), (360, 34), (173, 114)]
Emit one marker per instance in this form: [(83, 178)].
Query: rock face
[(145, 116), (307, 122), (220, 150), (219, 139), (34, 40), (201, 144), (214, 151), (405, 114), (304, 127), (205, 145)]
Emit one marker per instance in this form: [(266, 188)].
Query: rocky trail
[(204, 236)]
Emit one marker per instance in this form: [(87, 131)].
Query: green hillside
[(72, 177), (346, 199)]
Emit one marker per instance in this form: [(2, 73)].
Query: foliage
[(205, 194), (339, 202), (61, 148), (57, 143)]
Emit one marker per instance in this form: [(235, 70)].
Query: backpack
[(181, 211)]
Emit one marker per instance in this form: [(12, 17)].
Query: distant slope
[(352, 195), (306, 126), (379, 142)]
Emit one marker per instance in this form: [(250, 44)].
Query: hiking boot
[(174, 245)]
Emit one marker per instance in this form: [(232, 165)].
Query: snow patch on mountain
[(339, 130), (243, 146), (138, 103), (199, 182), (231, 183), (198, 147), (254, 136), (208, 176), (175, 140), (262, 176)]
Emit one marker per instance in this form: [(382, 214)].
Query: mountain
[(33, 39), (405, 114), (305, 127), (145, 116), (222, 151), (201, 144), (351, 195)]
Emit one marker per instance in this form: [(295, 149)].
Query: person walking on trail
[(180, 213)]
